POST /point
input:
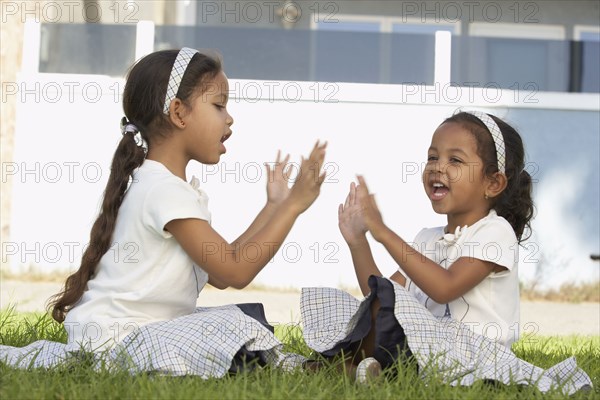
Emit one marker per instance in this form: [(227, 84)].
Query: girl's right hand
[(277, 180), (307, 187), (369, 211), (350, 218)]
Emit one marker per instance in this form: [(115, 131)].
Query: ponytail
[(143, 102), (127, 158), (515, 205)]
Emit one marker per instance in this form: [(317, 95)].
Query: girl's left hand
[(277, 180), (370, 212), (350, 218)]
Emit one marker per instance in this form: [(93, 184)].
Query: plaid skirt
[(442, 347), (209, 343)]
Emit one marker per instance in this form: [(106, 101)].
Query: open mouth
[(226, 136), (439, 190)]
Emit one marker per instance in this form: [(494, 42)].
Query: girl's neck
[(169, 153), (175, 166)]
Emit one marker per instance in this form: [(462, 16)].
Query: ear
[(177, 113), (495, 185)]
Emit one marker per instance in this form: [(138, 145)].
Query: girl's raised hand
[(307, 187), (370, 212), (350, 218), (277, 180)]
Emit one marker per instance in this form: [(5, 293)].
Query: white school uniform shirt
[(492, 307), (146, 276)]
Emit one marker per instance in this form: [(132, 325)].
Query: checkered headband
[(181, 63), (496, 136)]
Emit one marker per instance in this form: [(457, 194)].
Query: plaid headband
[(179, 66), (496, 135)]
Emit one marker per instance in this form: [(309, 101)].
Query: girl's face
[(453, 178), (209, 122)]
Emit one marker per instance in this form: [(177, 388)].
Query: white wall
[(65, 138)]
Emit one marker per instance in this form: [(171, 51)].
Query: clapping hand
[(307, 187), (277, 180), (359, 213)]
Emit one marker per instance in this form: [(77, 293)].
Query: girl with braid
[(140, 309)]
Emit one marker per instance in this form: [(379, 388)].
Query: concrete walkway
[(283, 307)]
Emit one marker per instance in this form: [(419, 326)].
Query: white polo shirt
[(492, 307), (145, 276)]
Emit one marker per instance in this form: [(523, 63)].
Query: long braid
[(143, 102), (127, 158)]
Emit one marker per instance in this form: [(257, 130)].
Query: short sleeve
[(172, 200), (494, 241)]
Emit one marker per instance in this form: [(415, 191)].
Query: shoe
[(367, 370)]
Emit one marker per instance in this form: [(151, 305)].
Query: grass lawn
[(79, 381)]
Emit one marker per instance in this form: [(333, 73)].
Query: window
[(349, 23), (348, 49), (377, 49), (586, 59), (516, 56), (416, 26), (517, 31)]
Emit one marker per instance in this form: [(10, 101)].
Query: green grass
[(82, 381)]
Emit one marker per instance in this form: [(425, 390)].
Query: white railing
[(442, 92)]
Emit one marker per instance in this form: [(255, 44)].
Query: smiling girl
[(453, 304)]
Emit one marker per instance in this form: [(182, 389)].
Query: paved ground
[(281, 307)]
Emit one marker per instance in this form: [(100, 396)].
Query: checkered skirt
[(204, 343), (443, 348)]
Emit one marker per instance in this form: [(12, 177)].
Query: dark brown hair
[(143, 101), (515, 203)]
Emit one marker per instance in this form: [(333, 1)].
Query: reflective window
[(101, 49)]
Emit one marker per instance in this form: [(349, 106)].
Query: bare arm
[(232, 264), (267, 213), (442, 285), (277, 191), (364, 264), (236, 264), (353, 230)]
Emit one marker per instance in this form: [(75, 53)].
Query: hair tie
[(128, 128), (179, 67), (497, 137)]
